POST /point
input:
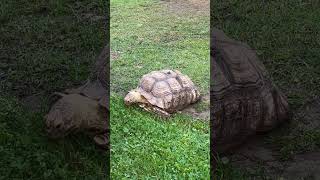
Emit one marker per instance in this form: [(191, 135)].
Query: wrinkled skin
[(134, 97)]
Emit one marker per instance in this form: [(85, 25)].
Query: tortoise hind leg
[(156, 110)]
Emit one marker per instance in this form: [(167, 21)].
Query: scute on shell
[(169, 90), (244, 99), (85, 108)]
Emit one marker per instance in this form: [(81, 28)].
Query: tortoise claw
[(102, 141)]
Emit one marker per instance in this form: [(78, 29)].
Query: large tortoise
[(85, 108), (164, 92), (244, 101)]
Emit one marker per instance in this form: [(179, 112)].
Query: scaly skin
[(75, 113)]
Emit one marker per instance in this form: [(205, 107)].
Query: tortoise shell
[(97, 85), (169, 90), (85, 108), (244, 99)]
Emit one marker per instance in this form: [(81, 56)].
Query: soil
[(255, 153), (187, 6), (114, 55), (202, 114), (201, 7)]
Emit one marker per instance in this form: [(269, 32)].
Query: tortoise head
[(133, 97), (60, 120)]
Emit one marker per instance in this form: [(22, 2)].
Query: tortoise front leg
[(156, 110)]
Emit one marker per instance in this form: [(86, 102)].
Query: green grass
[(291, 144), (46, 46), (148, 37), (146, 147), (26, 152), (286, 37)]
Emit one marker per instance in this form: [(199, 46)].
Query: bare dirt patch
[(265, 156), (199, 110), (188, 6), (114, 55), (256, 157)]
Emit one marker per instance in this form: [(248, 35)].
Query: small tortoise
[(244, 100), (85, 108), (164, 92)]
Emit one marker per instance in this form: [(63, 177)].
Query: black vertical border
[(213, 157)]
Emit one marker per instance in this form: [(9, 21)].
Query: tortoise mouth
[(130, 99), (127, 103)]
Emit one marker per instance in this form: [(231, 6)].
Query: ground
[(149, 35), (286, 38), (46, 46)]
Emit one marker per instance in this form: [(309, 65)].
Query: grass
[(147, 36), (286, 37), (26, 152), (46, 46), (146, 147), (291, 144), (157, 39)]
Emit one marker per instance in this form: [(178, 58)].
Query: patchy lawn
[(149, 35)]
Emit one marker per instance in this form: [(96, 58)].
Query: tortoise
[(163, 92), (244, 100), (84, 109)]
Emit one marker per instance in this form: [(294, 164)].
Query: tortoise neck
[(142, 99)]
